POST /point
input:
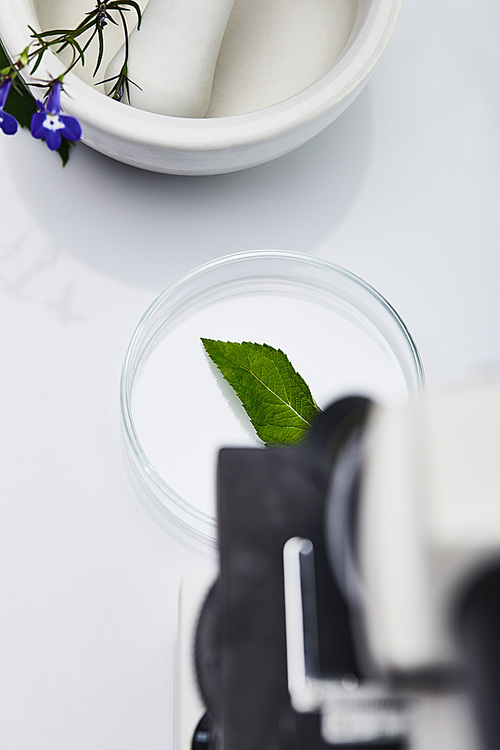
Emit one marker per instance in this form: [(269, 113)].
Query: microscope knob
[(207, 651)]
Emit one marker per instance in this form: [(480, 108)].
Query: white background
[(403, 189)]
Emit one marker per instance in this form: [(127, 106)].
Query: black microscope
[(358, 577)]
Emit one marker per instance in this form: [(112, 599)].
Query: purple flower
[(50, 124), (8, 124)]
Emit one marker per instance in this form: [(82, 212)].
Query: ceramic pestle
[(172, 57)]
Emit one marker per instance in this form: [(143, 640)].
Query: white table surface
[(403, 189)]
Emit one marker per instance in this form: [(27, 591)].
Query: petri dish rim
[(167, 505)]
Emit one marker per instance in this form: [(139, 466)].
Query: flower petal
[(72, 128), (54, 98), (8, 123), (53, 139), (4, 90), (37, 125)]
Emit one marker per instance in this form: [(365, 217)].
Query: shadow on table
[(146, 229)]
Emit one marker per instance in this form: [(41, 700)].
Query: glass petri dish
[(340, 334)]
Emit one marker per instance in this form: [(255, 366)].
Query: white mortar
[(286, 70)]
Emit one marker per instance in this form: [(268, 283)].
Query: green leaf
[(21, 104), (276, 398), (63, 150)]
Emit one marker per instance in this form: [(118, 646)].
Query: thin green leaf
[(133, 5), (89, 41), (276, 398), (37, 63), (100, 36), (78, 56), (125, 34)]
